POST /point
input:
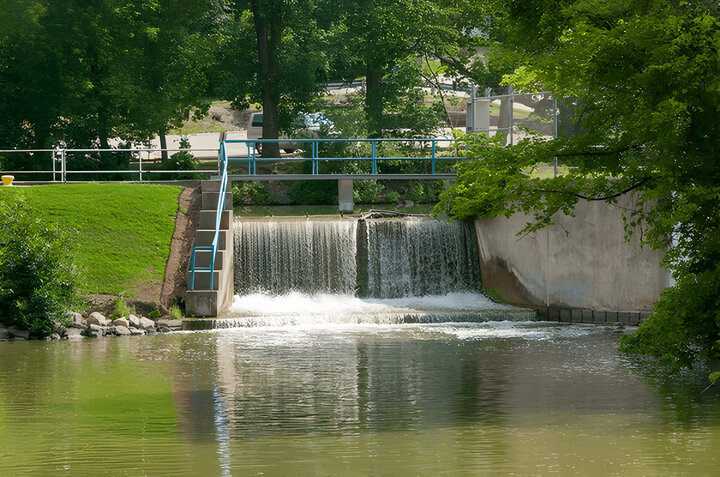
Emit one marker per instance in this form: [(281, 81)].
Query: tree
[(645, 76), (168, 48), (82, 73), (274, 56)]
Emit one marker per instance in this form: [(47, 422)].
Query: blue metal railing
[(252, 158), (252, 161), (222, 163)]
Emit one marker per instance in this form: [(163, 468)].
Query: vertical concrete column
[(481, 116), (345, 196)]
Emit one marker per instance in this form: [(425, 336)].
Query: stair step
[(202, 258), (214, 186), (202, 280), (207, 219), (210, 200), (204, 238)]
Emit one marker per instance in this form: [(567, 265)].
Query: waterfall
[(344, 271), (416, 257), (377, 258), (281, 256)]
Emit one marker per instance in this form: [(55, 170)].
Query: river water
[(353, 399), (355, 347)]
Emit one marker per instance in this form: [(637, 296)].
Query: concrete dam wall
[(581, 269)]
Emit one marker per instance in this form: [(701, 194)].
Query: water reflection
[(358, 399)]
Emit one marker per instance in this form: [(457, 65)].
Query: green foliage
[(121, 309), (154, 314), (416, 193), (391, 44), (392, 197), (182, 161), (37, 273), (495, 295), (175, 313), (313, 192), (685, 324), (367, 191), (84, 73), (645, 79), (251, 193)]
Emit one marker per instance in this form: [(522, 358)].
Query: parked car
[(307, 126)]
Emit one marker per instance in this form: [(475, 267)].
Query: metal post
[(433, 157), (63, 166), (251, 157), (54, 160), (555, 134), (374, 157), (315, 148), (140, 163), (512, 109)]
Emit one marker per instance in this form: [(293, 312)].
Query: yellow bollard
[(7, 180)]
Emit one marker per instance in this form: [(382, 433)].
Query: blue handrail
[(222, 162), (252, 159)]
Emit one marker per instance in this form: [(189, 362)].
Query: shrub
[(416, 192), (182, 161), (251, 193), (313, 192), (121, 309), (392, 197), (154, 315), (175, 313), (685, 324), (366, 192), (37, 275)]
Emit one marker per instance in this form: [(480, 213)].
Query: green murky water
[(528, 398)]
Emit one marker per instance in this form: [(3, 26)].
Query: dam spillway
[(374, 258), (355, 270)]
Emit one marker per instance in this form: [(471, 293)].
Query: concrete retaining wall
[(580, 265)]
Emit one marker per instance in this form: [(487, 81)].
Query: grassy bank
[(122, 231)]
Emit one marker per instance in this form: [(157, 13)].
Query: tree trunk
[(43, 140), (268, 29), (374, 101), (163, 145)]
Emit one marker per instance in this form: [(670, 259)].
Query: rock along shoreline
[(96, 325)]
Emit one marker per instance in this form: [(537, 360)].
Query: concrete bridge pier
[(345, 196)]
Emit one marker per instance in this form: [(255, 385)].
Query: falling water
[(282, 256), (379, 258), (416, 257), (348, 270)]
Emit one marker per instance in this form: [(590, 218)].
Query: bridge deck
[(305, 177)]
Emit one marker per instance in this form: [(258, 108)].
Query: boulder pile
[(96, 325)]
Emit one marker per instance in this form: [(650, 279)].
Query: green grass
[(198, 128), (122, 231), (546, 171)]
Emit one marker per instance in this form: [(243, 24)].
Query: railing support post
[(433, 157), (63, 166), (374, 157), (54, 160)]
